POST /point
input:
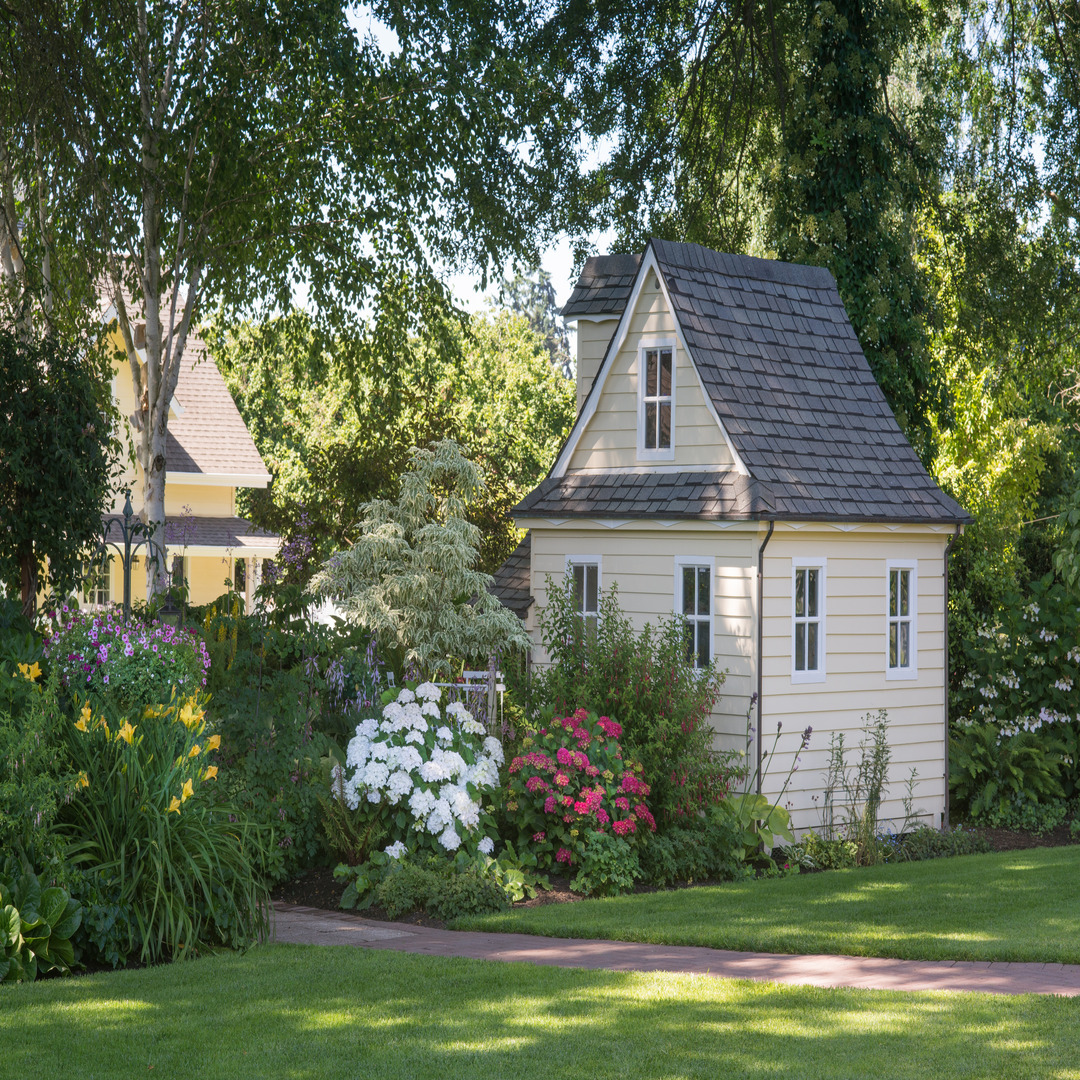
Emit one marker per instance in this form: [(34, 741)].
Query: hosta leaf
[(52, 905), (10, 926)]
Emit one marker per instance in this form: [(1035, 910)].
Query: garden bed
[(318, 888)]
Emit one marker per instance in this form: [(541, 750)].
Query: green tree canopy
[(58, 457), (336, 433), (225, 150)]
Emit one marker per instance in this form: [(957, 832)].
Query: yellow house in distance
[(209, 454)]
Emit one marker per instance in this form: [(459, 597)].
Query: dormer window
[(657, 400)]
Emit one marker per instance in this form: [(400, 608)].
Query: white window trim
[(584, 560), (708, 561), (819, 563), (912, 671), (667, 453)]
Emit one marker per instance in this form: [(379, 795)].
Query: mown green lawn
[(290, 1011), (1022, 905)]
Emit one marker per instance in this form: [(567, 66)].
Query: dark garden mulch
[(318, 888)]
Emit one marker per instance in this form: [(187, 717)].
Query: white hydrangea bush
[(430, 774)]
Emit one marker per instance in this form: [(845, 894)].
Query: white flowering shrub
[(422, 777), (1015, 737)]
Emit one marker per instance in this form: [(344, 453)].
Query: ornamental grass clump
[(420, 778), (129, 661), (571, 783), (146, 817)]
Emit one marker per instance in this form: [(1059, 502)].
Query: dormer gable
[(646, 407)]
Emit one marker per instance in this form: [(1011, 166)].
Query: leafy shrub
[(649, 683), (131, 662), (1020, 687), (927, 843), (148, 818), (608, 866), (36, 777), (571, 781), (813, 852), (708, 851), (108, 935), (36, 926), (995, 775), (271, 756), (441, 887), (418, 778), (1026, 815), (20, 656)]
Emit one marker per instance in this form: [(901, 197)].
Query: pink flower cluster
[(565, 792)]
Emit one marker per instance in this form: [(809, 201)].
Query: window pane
[(665, 373), (892, 644), (893, 590), (664, 440), (811, 646), (704, 607), (689, 640), (800, 594), (905, 638), (592, 575), (800, 646), (650, 373), (688, 590), (812, 593), (579, 588), (703, 644), (650, 426), (905, 590)]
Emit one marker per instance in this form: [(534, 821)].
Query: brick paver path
[(311, 926)]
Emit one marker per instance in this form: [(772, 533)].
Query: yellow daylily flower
[(213, 742), (80, 724), (83, 779), (187, 791), (85, 715), (195, 751), (127, 733), (210, 773), (190, 715), (174, 805), (34, 672)]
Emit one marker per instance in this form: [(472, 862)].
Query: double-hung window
[(657, 400), (583, 573), (808, 620), (694, 602), (900, 646)]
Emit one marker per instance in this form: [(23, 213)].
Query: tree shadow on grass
[(307, 1012)]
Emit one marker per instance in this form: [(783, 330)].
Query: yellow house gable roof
[(208, 440)]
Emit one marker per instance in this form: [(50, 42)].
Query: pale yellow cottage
[(209, 455), (735, 461)]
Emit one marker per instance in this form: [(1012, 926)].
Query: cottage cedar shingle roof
[(210, 437), (604, 286), (512, 580), (784, 371)]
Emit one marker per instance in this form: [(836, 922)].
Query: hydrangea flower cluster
[(137, 662), (572, 781), (425, 772)]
